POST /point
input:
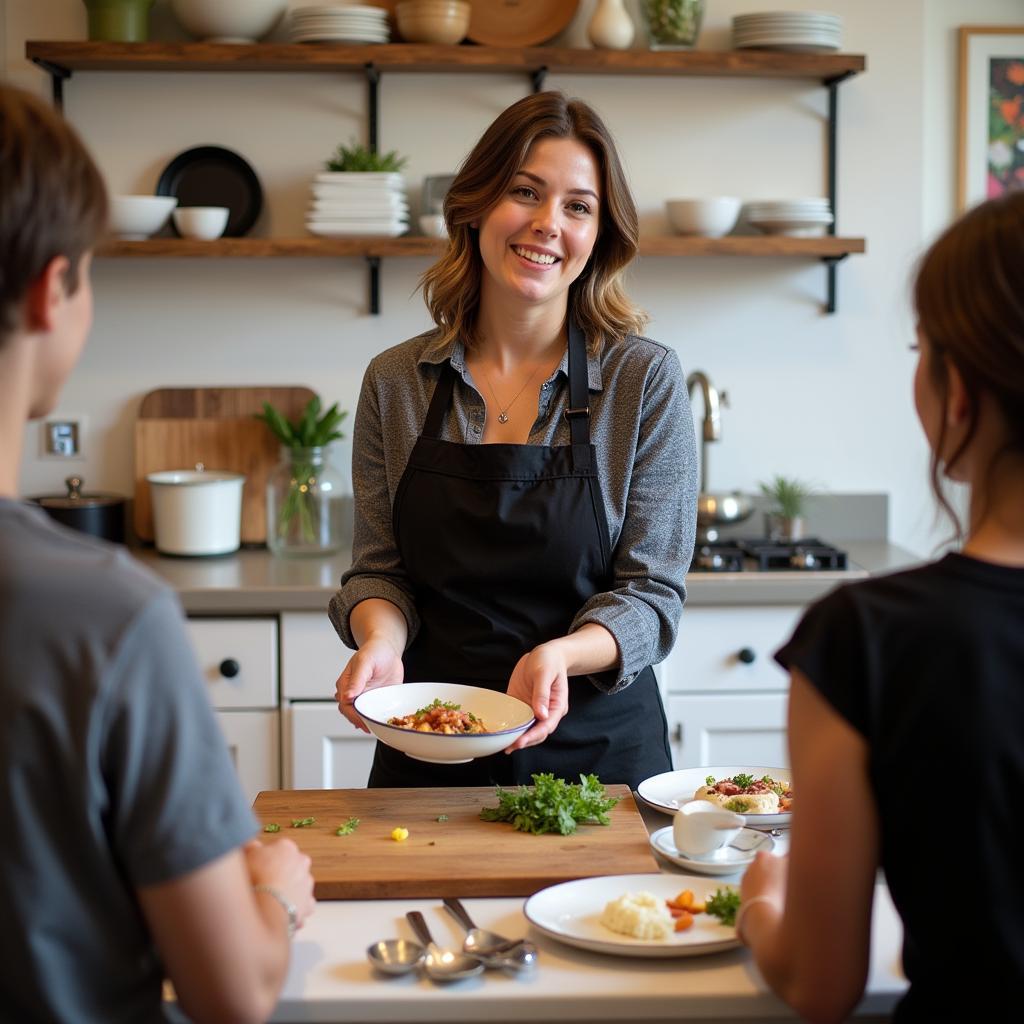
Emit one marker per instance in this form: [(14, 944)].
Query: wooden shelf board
[(262, 248), (94, 56)]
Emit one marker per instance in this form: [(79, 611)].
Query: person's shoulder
[(640, 358), (406, 354)]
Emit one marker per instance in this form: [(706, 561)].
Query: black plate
[(214, 176)]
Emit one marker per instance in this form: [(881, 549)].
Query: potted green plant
[(305, 491), (785, 518), (357, 158)]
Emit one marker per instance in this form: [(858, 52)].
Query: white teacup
[(206, 222), (701, 827)]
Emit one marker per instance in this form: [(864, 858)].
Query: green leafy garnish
[(272, 827), (438, 703), (776, 787), (724, 904), (738, 805), (303, 822), (552, 805), (709, 780), (442, 817), (743, 780), (348, 828)]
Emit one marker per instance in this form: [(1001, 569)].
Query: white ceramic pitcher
[(701, 827)]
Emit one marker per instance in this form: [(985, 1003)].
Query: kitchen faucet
[(712, 420)]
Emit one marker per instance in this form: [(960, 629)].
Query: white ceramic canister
[(196, 512)]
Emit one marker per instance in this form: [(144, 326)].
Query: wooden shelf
[(92, 56), (826, 247)]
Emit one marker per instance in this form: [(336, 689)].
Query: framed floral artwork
[(991, 116)]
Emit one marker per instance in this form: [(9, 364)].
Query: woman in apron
[(525, 474)]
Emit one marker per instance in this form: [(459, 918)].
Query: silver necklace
[(503, 413)]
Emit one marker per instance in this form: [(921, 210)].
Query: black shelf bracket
[(373, 265), (372, 103), (831, 155), (58, 76), (831, 262), (538, 78)]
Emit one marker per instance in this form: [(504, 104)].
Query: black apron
[(503, 544)]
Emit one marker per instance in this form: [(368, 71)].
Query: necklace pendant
[(502, 417)]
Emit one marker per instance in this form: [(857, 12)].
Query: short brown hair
[(597, 299), (52, 199), (969, 298)]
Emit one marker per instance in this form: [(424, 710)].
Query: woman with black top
[(525, 473), (907, 703)]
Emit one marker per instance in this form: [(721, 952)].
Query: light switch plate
[(62, 436)]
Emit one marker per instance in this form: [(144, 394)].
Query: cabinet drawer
[(733, 728), (312, 656), (723, 649), (254, 742), (325, 750), (239, 660)]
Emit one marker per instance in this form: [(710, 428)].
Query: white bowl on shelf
[(228, 21), (204, 222), (506, 717), (433, 225), (711, 218), (138, 217)]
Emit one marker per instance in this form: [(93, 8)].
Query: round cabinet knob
[(229, 668), (746, 655)]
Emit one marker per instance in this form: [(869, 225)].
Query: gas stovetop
[(763, 554)]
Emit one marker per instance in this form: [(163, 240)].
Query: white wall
[(823, 398)]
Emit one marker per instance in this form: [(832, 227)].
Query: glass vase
[(672, 24), (307, 498)]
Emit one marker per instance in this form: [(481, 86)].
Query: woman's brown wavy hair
[(969, 298), (597, 299)]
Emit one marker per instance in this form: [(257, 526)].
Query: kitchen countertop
[(254, 581)]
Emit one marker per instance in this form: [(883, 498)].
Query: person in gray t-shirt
[(128, 852)]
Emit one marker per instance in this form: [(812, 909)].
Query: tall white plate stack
[(339, 23), (793, 31), (358, 204), (801, 217)]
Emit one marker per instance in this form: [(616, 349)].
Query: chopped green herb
[(742, 780), (442, 817), (724, 904), (552, 805), (738, 805), (709, 780), (272, 827), (437, 703), (348, 828), (303, 822)]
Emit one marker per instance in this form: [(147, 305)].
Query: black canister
[(101, 515)]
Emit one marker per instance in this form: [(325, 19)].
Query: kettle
[(701, 827)]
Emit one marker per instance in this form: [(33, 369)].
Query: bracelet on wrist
[(744, 907), (289, 907)]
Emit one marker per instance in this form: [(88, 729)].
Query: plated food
[(501, 719), (743, 793)]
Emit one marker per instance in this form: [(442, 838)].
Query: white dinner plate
[(734, 857), (670, 790), (571, 912)]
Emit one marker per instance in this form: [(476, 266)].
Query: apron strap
[(578, 412), (439, 402)]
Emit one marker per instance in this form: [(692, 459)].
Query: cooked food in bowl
[(743, 794), (444, 717)]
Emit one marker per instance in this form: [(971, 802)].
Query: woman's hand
[(377, 663), (766, 876), (282, 866), (541, 679)]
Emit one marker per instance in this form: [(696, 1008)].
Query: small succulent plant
[(789, 495), (357, 157)]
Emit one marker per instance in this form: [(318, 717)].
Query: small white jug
[(701, 827)]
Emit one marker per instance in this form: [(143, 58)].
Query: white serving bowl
[(201, 221), (136, 217), (507, 716), (433, 225), (228, 21), (711, 218)]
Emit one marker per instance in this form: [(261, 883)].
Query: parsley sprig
[(348, 828), (724, 904), (552, 805)]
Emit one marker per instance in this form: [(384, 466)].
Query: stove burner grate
[(763, 554)]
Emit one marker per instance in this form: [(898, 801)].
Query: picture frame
[(991, 112)]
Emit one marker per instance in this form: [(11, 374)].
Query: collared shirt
[(642, 430)]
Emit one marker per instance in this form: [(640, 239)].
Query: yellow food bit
[(399, 834)]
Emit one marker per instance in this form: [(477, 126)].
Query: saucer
[(729, 859)]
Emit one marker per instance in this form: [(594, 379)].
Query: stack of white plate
[(355, 203), (807, 217), (333, 23), (794, 31)]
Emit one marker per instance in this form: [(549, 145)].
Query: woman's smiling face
[(536, 241)]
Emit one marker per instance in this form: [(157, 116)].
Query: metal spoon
[(492, 949), (442, 964), (396, 956)]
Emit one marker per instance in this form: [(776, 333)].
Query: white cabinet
[(254, 742), (727, 697), (312, 656)]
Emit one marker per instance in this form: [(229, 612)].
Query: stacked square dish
[(793, 31), (358, 203), (351, 23), (802, 217)]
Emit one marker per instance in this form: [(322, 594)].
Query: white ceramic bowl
[(507, 716), (201, 221), (228, 21), (711, 218), (433, 225), (196, 512), (136, 217)]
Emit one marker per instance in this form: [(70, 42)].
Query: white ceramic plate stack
[(354, 204), (350, 23), (793, 31), (801, 217)]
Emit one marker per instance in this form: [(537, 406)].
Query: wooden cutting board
[(462, 856), (179, 427)]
